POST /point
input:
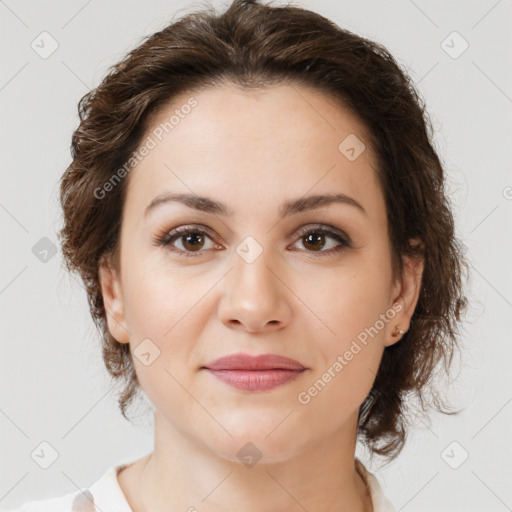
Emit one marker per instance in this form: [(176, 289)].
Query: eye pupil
[(311, 238), (194, 237)]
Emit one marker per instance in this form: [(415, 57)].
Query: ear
[(405, 295), (113, 300)]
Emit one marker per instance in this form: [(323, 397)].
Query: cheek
[(159, 297), (164, 319), (352, 308), (349, 300), (349, 347)]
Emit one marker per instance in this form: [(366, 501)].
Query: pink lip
[(259, 373), (242, 361)]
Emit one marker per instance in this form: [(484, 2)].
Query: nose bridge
[(253, 293), (253, 263)]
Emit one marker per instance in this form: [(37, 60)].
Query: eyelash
[(169, 237)]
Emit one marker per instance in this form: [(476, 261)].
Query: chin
[(258, 444)]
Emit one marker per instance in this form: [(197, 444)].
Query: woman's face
[(254, 276)]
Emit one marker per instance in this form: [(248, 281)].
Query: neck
[(183, 475)]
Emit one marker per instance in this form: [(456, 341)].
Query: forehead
[(255, 147)]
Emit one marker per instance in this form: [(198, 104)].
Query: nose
[(255, 297)]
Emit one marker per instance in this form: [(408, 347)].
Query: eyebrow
[(208, 205)]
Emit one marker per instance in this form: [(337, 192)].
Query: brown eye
[(314, 240), (192, 240)]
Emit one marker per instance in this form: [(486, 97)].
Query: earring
[(397, 331)]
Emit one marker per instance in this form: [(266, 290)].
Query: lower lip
[(255, 380)]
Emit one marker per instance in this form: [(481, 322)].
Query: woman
[(258, 214)]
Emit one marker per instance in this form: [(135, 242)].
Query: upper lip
[(247, 362)]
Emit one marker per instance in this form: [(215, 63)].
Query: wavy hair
[(256, 45)]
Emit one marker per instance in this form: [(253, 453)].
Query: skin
[(253, 151)]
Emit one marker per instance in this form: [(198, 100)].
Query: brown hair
[(255, 45)]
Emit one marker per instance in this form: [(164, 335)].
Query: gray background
[(53, 384)]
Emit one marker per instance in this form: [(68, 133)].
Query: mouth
[(255, 373), (243, 361)]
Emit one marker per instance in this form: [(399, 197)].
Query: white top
[(107, 496)]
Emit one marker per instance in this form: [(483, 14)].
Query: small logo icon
[(454, 455), (146, 352), (44, 45), (249, 250), (44, 455), (351, 147), (507, 192), (454, 45), (249, 454), (44, 250)]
